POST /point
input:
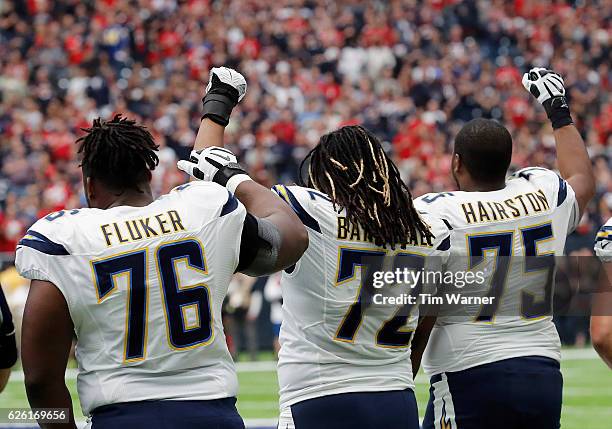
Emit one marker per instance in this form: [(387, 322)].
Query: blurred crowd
[(411, 71)]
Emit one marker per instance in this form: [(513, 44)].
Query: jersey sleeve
[(218, 216), (603, 243), (557, 190), (301, 201), (442, 237), (39, 253), (441, 204)]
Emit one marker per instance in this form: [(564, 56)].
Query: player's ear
[(456, 167), (89, 188), (456, 164)]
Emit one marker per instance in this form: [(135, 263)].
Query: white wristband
[(236, 180)]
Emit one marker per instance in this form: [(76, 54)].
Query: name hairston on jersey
[(352, 232), (142, 228), (522, 205)]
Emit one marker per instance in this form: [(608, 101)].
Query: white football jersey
[(603, 244), (144, 287), (330, 343), (511, 236)]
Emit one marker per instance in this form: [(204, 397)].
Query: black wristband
[(227, 172), (219, 101), (217, 108), (558, 112)]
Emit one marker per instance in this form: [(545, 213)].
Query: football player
[(344, 360), (8, 348), (140, 281), (601, 320), (496, 362)]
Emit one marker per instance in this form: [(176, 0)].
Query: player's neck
[(133, 198), (483, 187)]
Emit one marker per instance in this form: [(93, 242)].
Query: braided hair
[(351, 167), (119, 153)]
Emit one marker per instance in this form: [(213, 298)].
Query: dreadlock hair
[(351, 167), (119, 153)]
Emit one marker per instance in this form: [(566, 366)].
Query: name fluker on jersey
[(142, 228)]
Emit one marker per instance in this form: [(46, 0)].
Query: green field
[(587, 402)]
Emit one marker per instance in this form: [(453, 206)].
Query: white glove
[(548, 87), (215, 164), (544, 84), (230, 77), (226, 87)]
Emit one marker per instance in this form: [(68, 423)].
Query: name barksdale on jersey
[(353, 232)]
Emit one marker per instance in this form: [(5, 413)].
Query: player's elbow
[(294, 246), (585, 187), (35, 384), (301, 241), (590, 186)]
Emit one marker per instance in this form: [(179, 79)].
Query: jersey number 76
[(177, 298)]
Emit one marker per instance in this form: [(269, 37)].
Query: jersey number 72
[(391, 333)]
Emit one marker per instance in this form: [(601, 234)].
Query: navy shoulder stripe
[(39, 242), (230, 205), (562, 192), (290, 199), (447, 223), (605, 233), (445, 245)]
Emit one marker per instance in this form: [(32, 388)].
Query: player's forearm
[(601, 337), (601, 319), (209, 134), (263, 203), (419, 342), (47, 393), (575, 164), (225, 89)]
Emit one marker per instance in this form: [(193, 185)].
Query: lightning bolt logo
[(445, 422)]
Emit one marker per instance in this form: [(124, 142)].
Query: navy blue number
[(433, 198), (391, 334), (502, 244), (56, 215), (370, 261), (533, 263), (135, 265), (178, 297)]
